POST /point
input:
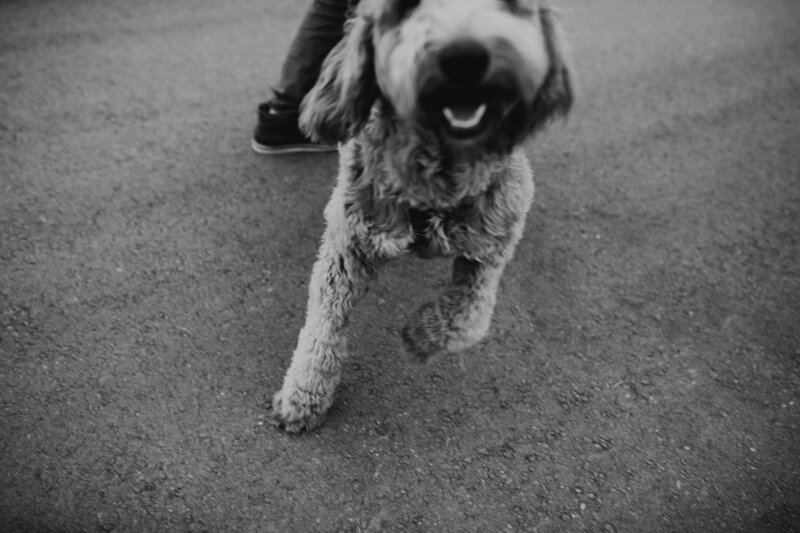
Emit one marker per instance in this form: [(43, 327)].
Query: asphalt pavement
[(642, 372)]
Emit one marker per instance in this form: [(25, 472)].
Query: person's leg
[(320, 30)]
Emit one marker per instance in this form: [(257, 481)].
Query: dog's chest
[(426, 243), (456, 232)]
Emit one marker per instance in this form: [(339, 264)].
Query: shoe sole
[(290, 148)]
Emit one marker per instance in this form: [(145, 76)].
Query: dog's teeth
[(464, 122)]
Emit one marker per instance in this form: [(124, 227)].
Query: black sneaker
[(278, 133)]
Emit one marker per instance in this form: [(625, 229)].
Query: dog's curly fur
[(430, 101)]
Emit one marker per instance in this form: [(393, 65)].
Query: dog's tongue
[(464, 117)]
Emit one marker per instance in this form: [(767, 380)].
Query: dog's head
[(478, 74)]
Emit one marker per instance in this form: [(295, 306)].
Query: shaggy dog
[(430, 100)]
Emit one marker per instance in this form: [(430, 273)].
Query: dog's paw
[(425, 334), (296, 410)]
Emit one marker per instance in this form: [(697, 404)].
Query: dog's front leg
[(460, 317), (340, 275)]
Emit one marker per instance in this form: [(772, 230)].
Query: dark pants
[(321, 28)]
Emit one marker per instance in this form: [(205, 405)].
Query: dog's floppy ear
[(339, 104), (555, 96)]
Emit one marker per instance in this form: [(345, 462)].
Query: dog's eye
[(396, 12), (404, 7), (517, 7)]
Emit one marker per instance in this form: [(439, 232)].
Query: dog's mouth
[(471, 117), (466, 114), (464, 119)]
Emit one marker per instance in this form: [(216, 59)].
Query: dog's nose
[(464, 61)]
